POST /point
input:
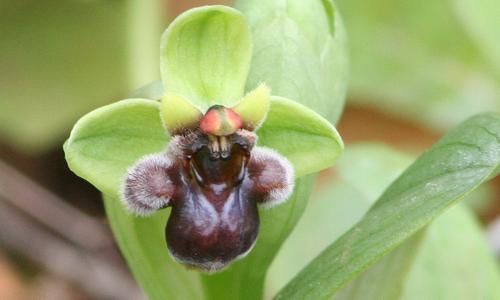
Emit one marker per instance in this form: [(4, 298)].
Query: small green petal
[(205, 56), (254, 106), (309, 141), (178, 113)]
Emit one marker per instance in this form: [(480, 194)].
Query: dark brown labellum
[(213, 184)]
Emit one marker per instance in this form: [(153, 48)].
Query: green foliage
[(456, 165), (421, 268), (361, 175)]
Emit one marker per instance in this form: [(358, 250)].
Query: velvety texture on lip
[(214, 220), (214, 198)]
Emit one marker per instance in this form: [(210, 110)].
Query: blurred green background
[(417, 69)]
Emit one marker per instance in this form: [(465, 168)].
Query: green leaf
[(386, 278), (310, 142), (481, 20), (456, 165), (108, 140), (299, 51), (431, 265), (454, 261), (361, 175), (205, 56)]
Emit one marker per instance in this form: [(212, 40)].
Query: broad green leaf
[(453, 262), (428, 71), (310, 142), (245, 279), (142, 243), (205, 56), (108, 140), (481, 19), (299, 52), (361, 175), (456, 165)]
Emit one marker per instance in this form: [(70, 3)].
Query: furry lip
[(214, 185)]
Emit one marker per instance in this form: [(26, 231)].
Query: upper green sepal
[(205, 56)]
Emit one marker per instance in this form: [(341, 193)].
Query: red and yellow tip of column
[(220, 121)]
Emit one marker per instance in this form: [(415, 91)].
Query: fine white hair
[(138, 189), (285, 173)]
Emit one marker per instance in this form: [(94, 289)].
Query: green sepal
[(308, 140), (205, 56), (108, 140)]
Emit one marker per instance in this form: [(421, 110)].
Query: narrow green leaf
[(431, 265), (385, 279), (310, 142), (361, 175), (454, 262), (299, 51), (205, 56), (108, 140), (456, 165)]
